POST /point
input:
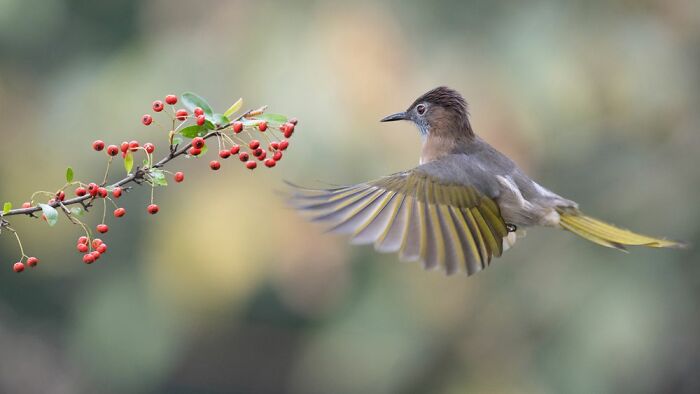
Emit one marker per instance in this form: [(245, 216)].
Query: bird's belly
[(518, 210)]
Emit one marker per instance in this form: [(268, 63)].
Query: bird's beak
[(394, 117)]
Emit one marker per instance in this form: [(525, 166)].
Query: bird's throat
[(438, 146)]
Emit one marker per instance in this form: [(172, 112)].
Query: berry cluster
[(195, 122), (231, 136)]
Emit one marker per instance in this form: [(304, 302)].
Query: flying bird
[(464, 204)]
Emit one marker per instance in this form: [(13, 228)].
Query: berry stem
[(104, 210), (75, 220), (19, 242), (109, 164)]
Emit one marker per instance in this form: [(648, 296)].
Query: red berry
[(235, 149), (92, 189), (150, 148), (243, 156), (287, 134), (259, 153), (181, 114), (83, 240), (290, 127), (18, 267), (32, 261), (214, 165), (254, 144), (262, 126), (134, 146), (198, 111), (284, 144), (251, 164), (270, 162), (102, 192), (96, 255), (88, 259), (124, 147), (102, 228), (158, 106), (277, 156), (96, 243), (98, 145), (153, 209), (117, 192), (27, 205), (195, 151), (147, 119), (112, 150), (224, 154), (200, 120), (82, 248), (198, 143), (237, 127), (61, 195), (119, 212), (294, 121), (102, 249), (171, 99), (179, 177), (80, 191), (274, 145)]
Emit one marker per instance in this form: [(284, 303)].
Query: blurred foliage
[(229, 291)]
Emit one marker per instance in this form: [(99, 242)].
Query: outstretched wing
[(443, 225)]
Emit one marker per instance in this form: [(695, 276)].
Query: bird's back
[(479, 165)]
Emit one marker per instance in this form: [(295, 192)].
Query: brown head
[(441, 112)]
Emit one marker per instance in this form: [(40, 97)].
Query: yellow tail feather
[(608, 235)]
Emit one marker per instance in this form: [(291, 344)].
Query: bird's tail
[(608, 235)]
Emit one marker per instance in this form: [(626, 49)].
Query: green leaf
[(158, 177), (221, 120), (128, 162), (193, 131), (69, 174), (192, 101), (251, 122), (274, 118), (234, 108), (7, 207), (209, 125), (205, 149), (50, 213), (77, 211)]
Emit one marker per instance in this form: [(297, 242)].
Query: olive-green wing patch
[(445, 226)]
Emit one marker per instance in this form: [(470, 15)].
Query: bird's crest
[(446, 98)]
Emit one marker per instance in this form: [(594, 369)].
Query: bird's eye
[(420, 109)]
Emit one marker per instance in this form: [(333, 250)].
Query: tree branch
[(136, 177)]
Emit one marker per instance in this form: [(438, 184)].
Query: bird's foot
[(511, 228)]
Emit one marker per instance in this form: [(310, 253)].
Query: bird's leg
[(511, 227)]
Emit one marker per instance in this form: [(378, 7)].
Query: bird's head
[(441, 111)]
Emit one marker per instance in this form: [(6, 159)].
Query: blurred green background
[(228, 291)]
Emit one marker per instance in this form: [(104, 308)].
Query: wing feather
[(392, 237), (442, 225)]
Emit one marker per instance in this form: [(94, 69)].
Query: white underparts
[(519, 211)]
